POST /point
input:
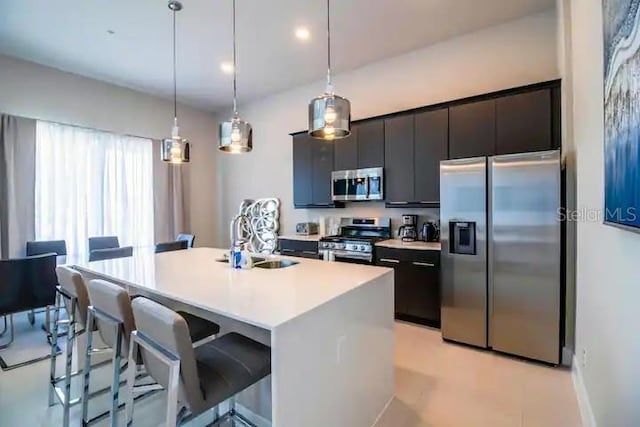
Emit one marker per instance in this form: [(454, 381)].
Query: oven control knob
[(363, 248)]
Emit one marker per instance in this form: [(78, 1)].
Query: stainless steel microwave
[(359, 184)]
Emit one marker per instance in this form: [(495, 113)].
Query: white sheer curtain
[(92, 183)]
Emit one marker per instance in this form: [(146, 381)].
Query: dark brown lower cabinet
[(417, 283), (299, 248)]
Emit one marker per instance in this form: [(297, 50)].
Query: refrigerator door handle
[(490, 247)]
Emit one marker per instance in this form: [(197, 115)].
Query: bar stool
[(72, 292), (111, 312), (198, 379)]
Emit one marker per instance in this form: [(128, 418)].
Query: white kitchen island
[(329, 325)]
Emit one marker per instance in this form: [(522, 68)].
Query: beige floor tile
[(437, 384)]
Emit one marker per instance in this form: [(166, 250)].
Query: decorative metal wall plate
[(260, 231)]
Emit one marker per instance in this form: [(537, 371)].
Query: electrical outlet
[(584, 357)]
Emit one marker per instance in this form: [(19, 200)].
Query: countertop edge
[(414, 246)]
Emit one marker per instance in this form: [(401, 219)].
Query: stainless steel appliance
[(306, 228), (356, 241), (408, 231), (430, 232), (501, 253), (360, 184)]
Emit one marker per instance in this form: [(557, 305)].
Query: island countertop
[(261, 297)]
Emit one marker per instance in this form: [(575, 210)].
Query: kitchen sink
[(275, 263), (254, 259)]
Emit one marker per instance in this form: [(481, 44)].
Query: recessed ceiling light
[(302, 33), (227, 67)]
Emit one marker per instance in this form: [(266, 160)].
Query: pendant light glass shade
[(329, 117), (235, 136), (175, 149), (329, 114)]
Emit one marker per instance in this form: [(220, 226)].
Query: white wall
[(513, 54), (35, 91), (608, 279)]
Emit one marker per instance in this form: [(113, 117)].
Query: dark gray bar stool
[(197, 379), (111, 312)]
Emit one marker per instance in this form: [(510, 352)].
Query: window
[(92, 183)]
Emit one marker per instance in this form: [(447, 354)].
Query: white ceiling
[(72, 35)]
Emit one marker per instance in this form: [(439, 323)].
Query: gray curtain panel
[(170, 216), (17, 184)]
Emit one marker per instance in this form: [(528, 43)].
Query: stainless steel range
[(356, 241)]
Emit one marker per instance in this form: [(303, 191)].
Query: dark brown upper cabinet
[(371, 144), (411, 144), (472, 129), (346, 151), (322, 153), (302, 170), (431, 146), (364, 148), (523, 122), (399, 159), (312, 167)]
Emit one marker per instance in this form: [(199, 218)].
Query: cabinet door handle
[(398, 203), (423, 264), (392, 261), (288, 250), (310, 252)]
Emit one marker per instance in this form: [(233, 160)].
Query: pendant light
[(329, 114), (176, 148), (236, 135)]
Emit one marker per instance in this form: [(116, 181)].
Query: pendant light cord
[(175, 102), (328, 47), (235, 90)]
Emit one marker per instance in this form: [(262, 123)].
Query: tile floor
[(437, 384), (443, 384)]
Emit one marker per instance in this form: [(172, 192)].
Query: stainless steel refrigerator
[(501, 253)]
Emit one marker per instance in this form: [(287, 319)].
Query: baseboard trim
[(586, 413)]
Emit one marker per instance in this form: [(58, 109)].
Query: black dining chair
[(25, 284), (110, 253), (40, 247), (171, 246), (103, 242), (189, 238), (107, 247)]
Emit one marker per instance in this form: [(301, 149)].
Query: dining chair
[(171, 246), (189, 238), (40, 247), (110, 253), (111, 312), (103, 242), (196, 379), (25, 284)]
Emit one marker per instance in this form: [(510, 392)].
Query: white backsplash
[(365, 209)]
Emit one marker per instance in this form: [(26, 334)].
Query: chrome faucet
[(235, 229)]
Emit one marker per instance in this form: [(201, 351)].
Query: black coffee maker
[(430, 232), (408, 232)]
